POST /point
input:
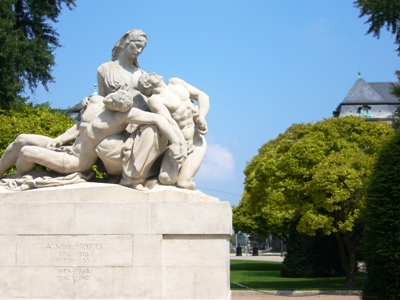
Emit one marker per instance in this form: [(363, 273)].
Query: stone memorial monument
[(147, 235)]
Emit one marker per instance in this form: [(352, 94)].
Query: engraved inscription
[(74, 254), (75, 251), (75, 274)]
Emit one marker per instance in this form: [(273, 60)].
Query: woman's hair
[(131, 35)]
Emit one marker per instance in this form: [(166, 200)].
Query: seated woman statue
[(139, 148)]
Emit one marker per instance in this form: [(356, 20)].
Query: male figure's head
[(120, 100), (147, 83)]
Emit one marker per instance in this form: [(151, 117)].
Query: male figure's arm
[(68, 136), (72, 133), (140, 117)]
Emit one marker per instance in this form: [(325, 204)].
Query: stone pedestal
[(102, 241)]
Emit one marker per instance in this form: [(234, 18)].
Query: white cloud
[(218, 164)]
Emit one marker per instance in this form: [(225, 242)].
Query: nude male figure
[(173, 101), (101, 118)]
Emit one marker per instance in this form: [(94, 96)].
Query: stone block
[(8, 246), (146, 250), (34, 282), (112, 218), (110, 242), (36, 218), (178, 283), (211, 283), (191, 218), (121, 283), (195, 250)]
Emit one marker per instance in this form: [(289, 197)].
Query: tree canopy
[(27, 44), (314, 174), (381, 14)]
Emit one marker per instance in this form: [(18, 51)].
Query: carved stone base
[(102, 241)]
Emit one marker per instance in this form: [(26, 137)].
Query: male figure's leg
[(60, 162), (192, 163), (11, 153)]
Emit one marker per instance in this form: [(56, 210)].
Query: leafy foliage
[(382, 226), (27, 42), (384, 14), (381, 14), (395, 90), (316, 256), (39, 119), (317, 174)]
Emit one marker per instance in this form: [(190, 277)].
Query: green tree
[(381, 13), (382, 214), (316, 174), (27, 44), (384, 14)]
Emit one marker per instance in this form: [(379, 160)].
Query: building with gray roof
[(371, 100)]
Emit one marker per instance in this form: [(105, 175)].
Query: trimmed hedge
[(382, 226)]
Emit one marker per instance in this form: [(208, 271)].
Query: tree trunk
[(348, 253)]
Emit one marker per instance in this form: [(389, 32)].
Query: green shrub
[(35, 119), (381, 248)]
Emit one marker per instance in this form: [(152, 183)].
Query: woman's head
[(136, 37)]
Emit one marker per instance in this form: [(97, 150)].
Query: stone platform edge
[(97, 192)]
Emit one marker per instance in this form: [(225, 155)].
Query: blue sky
[(265, 65)]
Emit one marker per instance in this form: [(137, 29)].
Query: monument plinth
[(102, 241)]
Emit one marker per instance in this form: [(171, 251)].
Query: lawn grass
[(263, 275)]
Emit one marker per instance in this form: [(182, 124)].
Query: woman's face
[(135, 48)]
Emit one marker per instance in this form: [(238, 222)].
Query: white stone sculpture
[(102, 117), (135, 142), (173, 101)]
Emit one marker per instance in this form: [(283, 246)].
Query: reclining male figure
[(173, 100), (101, 118)]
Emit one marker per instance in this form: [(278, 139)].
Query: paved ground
[(250, 295), (269, 257)]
